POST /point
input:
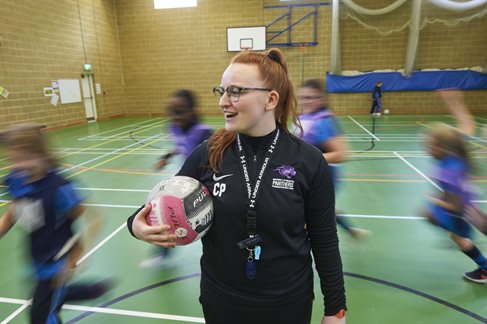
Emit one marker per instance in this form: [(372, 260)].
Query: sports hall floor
[(406, 271)]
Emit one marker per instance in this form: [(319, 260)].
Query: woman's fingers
[(159, 235), (142, 214)]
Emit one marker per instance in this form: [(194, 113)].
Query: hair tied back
[(276, 56)]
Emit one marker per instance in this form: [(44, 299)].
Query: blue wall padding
[(417, 81)]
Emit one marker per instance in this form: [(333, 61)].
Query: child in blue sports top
[(447, 209), (320, 129), (46, 205)]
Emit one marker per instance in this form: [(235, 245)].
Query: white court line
[(83, 258), (20, 309), (122, 127), (94, 159), (383, 123), (151, 121), (104, 155), (101, 149), (408, 134), (115, 139), (112, 311), (118, 137), (113, 189), (387, 135), (355, 151), (159, 152), (99, 245), (365, 129), (346, 215), (419, 172), (24, 303), (157, 123), (95, 205), (113, 206), (382, 216), (384, 140), (365, 156)]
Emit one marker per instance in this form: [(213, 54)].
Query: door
[(89, 96)]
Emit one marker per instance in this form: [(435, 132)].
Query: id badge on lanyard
[(251, 242)]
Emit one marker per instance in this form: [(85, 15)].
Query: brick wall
[(41, 41), (164, 50), (140, 55)]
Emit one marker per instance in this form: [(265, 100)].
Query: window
[(167, 4)]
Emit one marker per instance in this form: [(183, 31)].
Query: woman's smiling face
[(251, 114)]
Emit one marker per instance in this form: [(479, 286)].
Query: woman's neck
[(257, 141), (265, 127)]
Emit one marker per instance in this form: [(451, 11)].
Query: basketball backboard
[(246, 38)]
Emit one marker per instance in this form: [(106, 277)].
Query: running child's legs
[(45, 303), (466, 246)]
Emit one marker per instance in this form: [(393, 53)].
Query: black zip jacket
[(296, 190)]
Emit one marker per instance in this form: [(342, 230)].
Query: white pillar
[(413, 40), (335, 53)]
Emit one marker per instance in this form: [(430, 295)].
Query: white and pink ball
[(183, 203)]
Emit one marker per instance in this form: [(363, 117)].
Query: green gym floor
[(405, 271)]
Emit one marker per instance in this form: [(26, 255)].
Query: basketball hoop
[(245, 48)]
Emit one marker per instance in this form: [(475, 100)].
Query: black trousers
[(376, 105), (222, 312), (43, 301), (47, 300)]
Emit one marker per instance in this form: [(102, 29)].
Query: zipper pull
[(255, 158)]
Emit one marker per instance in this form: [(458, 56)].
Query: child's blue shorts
[(450, 221)]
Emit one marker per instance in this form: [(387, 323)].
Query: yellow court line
[(424, 125), (102, 143), (160, 173), (111, 159), (113, 140), (96, 165), (477, 144)]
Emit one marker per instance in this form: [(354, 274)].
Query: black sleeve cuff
[(130, 220)]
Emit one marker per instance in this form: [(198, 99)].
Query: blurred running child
[(186, 129), (47, 206), (187, 133), (447, 209), (454, 102), (320, 129)]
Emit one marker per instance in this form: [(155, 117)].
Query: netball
[(185, 204)]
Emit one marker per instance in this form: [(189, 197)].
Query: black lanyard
[(252, 194)]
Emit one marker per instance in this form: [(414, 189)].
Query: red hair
[(273, 70)]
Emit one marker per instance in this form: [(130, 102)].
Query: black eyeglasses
[(233, 91)]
